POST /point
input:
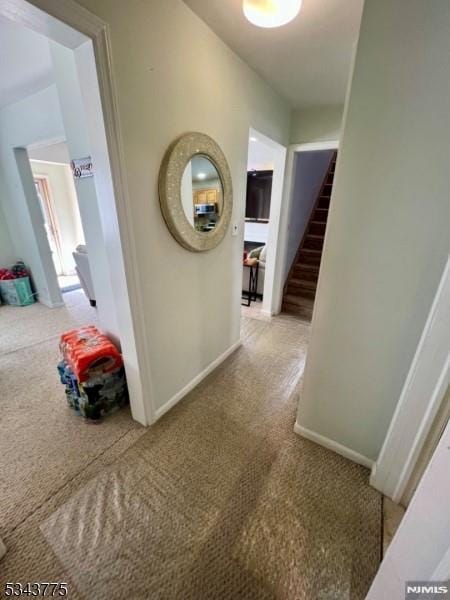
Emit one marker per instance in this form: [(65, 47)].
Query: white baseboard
[(197, 379), (48, 303), (332, 445)]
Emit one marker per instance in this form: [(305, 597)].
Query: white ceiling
[(202, 166), (307, 61), (26, 66)]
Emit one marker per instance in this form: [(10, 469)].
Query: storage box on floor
[(15, 285), (92, 371)]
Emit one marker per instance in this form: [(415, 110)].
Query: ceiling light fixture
[(253, 139), (271, 13), (201, 175)]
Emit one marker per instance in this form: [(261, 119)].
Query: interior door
[(50, 222)]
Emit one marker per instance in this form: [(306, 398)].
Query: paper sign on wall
[(82, 167)]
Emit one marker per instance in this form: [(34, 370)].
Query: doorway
[(110, 250), (265, 176), (311, 194), (309, 177), (58, 200), (50, 222)]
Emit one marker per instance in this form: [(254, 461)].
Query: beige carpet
[(219, 500), (43, 444)]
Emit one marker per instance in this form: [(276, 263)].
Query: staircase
[(300, 288)]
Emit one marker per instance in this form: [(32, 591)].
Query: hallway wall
[(316, 124), (174, 75), (387, 238)]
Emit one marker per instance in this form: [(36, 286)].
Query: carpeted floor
[(43, 444), (218, 500)]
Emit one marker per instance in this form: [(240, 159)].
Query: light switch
[(234, 229)]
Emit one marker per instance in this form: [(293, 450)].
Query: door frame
[(286, 210), (68, 23), (276, 205), (421, 397), (43, 184)]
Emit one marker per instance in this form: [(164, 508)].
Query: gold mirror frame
[(177, 156)]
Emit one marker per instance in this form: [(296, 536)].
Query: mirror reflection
[(202, 193)]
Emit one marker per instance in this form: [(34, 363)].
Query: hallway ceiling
[(307, 61), (26, 67)]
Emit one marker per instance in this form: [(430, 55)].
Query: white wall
[(420, 550), (63, 194), (73, 114), (387, 237), (7, 253), (56, 153), (36, 118), (316, 124), (309, 171), (163, 56)]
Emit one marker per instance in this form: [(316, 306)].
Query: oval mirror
[(202, 193), (195, 192)]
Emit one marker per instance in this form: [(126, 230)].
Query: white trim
[(419, 549), (421, 396), (314, 146), (276, 207), (197, 379), (334, 446), (442, 571), (48, 303), (286, 209), (71, 25)]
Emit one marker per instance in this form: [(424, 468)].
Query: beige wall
[(388, 231), (64, 198), (174, 75), (316, 124)]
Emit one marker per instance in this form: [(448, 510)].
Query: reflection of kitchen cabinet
[(206, 196)]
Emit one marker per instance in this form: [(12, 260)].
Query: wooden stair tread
[(311, 251), (298, 301), (307, 266), (303, 283)]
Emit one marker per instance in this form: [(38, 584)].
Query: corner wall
[(387, 237), (174, 75)]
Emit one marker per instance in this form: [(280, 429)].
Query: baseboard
[(48, 303), (332, 445), (373, 474), (197, 379)]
